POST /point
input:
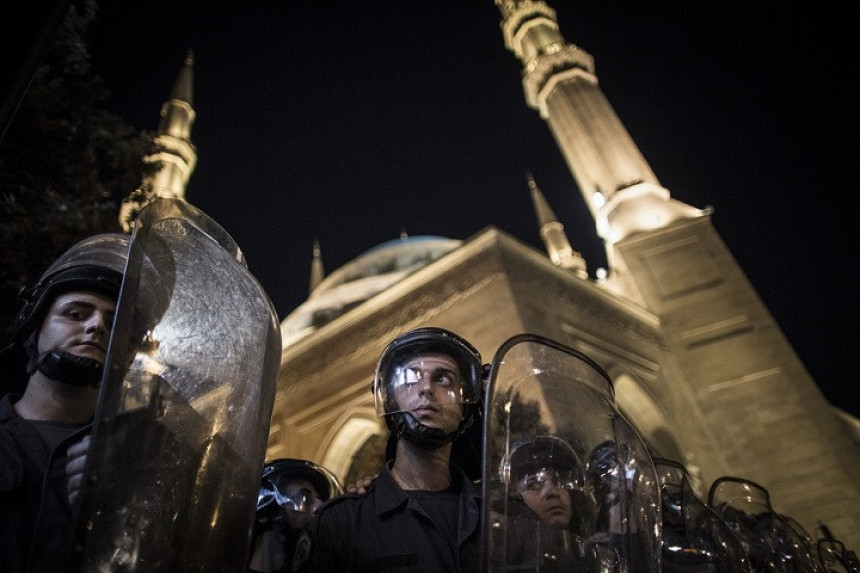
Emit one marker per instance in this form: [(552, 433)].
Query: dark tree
[(65, 163)]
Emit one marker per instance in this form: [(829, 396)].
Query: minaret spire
[(317, 271), (553, 235), (623, 194), (175, 153)]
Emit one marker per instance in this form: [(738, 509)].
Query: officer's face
[(78, 323), (301, 499), (542, 492), (430, 388)]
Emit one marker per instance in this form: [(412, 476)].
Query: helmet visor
[(422, 377), (301, 499), (296, 485), (427, 360), (291, 495), (536, 479), (536, 461)]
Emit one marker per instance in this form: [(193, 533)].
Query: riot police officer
[(291, 492), (422, 511), (546, 476), (550, 510), (57, 355)]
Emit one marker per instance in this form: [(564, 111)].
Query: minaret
[(175, 153), (620, 189), (317, 271), (553, 235), (725, 394)]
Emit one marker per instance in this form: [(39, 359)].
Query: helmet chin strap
[(68, 368), (62, 366), (425, 437)]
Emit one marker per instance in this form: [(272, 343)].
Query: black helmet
[(608, 460), (537, 457), (96, 263), (276, 472), (389, 369)]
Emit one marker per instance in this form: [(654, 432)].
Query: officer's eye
[(532, 483), (411, 376), (445, 378), (301, 499)]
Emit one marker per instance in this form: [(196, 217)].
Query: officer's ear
[(373, 386)]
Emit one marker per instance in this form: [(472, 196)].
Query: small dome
[(362, 278)]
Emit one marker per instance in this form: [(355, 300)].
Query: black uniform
[(35, 516), (390, 529)]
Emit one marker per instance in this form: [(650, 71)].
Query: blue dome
[(362, 278)]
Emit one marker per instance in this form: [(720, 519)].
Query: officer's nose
[(97, 323), (550, 489), (425, 383), (426, 388)]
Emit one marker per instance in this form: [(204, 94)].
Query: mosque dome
[(361, 279)]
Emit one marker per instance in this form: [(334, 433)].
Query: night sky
[(350, 122)]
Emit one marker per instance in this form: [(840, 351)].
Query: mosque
[(699, 366)]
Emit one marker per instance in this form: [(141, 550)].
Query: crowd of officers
[(421, 512)]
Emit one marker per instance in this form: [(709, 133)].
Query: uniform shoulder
[(342, 500)]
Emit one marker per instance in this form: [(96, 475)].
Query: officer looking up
[(57, 355), (292, 491), (422, 511)]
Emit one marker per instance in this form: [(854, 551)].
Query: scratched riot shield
[(180, 433), (568, 484)]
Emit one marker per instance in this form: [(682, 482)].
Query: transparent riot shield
[(179, 438), (695, 539), (568, 485), (771, 541), (836, 558)]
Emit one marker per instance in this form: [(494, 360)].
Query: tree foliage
[(65, 163)]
